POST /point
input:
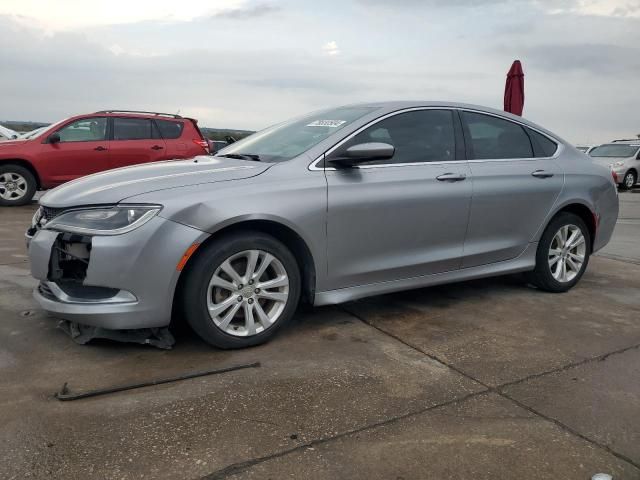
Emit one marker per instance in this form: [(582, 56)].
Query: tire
[(551, 254), (230, 327), (17, 185), (629, 180)]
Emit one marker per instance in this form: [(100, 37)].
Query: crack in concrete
[(238, 467), (235, 468), (569, 366), (499, 388)]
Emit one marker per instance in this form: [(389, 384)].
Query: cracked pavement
[(483, 379)]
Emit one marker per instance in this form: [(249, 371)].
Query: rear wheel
[(563, 254), (17, 185), (241, 290), (629, 180)]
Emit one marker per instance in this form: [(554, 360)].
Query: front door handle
[(451, 177), (100, 148), (157, 147), (542, 174)]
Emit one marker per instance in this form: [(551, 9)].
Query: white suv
[(623, 156)]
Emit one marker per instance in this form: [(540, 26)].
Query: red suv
[(92, 143)]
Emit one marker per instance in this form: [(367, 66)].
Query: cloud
[(247, 11), (596, 60), (622, 8), (331, 48), (270, 66), (74, 14), (60, 74)]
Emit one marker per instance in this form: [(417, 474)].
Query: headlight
[(35, 220), (104, 221), (618, 164)]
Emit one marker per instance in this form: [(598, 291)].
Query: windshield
[(289, 139), (41, 130), (33, 133), (614, 150)]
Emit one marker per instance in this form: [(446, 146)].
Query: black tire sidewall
[(202, 267), (624, 180), (543, 271), (31, 184)]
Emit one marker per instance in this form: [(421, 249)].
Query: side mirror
[(364, 152), (54, 138)]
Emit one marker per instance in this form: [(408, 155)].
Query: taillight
[(615, 176), (203, 143)]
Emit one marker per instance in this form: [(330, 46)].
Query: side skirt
[(526, 261)]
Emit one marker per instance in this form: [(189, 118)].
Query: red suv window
[(133, 129), (170, 130)]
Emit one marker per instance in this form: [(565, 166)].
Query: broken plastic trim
[(64, 394)]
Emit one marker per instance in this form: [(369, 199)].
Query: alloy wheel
[(629, 180), (247, 293), (13, 186), (567, 253)]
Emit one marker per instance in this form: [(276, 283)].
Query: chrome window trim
[(313, 166)]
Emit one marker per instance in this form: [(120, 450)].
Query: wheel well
[(587, 216), (287, 236), (25, 164)]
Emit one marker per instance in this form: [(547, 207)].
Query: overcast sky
[(250, 63)]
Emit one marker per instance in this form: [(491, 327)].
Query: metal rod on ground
[(64, 395)]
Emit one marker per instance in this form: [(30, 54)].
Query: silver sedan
[(329, 207)]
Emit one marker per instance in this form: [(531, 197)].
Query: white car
[(7, 134), (33, 133), (623, 157), (586, 148)]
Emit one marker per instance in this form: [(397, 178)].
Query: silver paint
[(369, 230)]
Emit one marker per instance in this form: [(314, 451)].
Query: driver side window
[(419, 136), (84, 130)]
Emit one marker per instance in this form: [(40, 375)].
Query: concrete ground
[(478, 380)]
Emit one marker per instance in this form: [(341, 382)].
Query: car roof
[(633, 142), (628, 144), (391, 106), (120, 114)]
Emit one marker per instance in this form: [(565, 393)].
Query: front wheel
[(240, 290), (17, 185), (563, 254)]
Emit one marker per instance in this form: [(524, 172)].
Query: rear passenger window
[(542, 146), (132, 129), (495, 138), (418, 136), (170, 130)]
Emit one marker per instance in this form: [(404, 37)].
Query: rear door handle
[(157, 147), (451, 177), (542, 174), (100, 148)]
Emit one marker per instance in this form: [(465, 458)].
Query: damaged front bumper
[(116, 282)]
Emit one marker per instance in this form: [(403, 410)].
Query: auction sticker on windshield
[(327, 123)]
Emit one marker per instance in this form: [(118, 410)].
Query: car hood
[(114, 186), (14, 142)]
